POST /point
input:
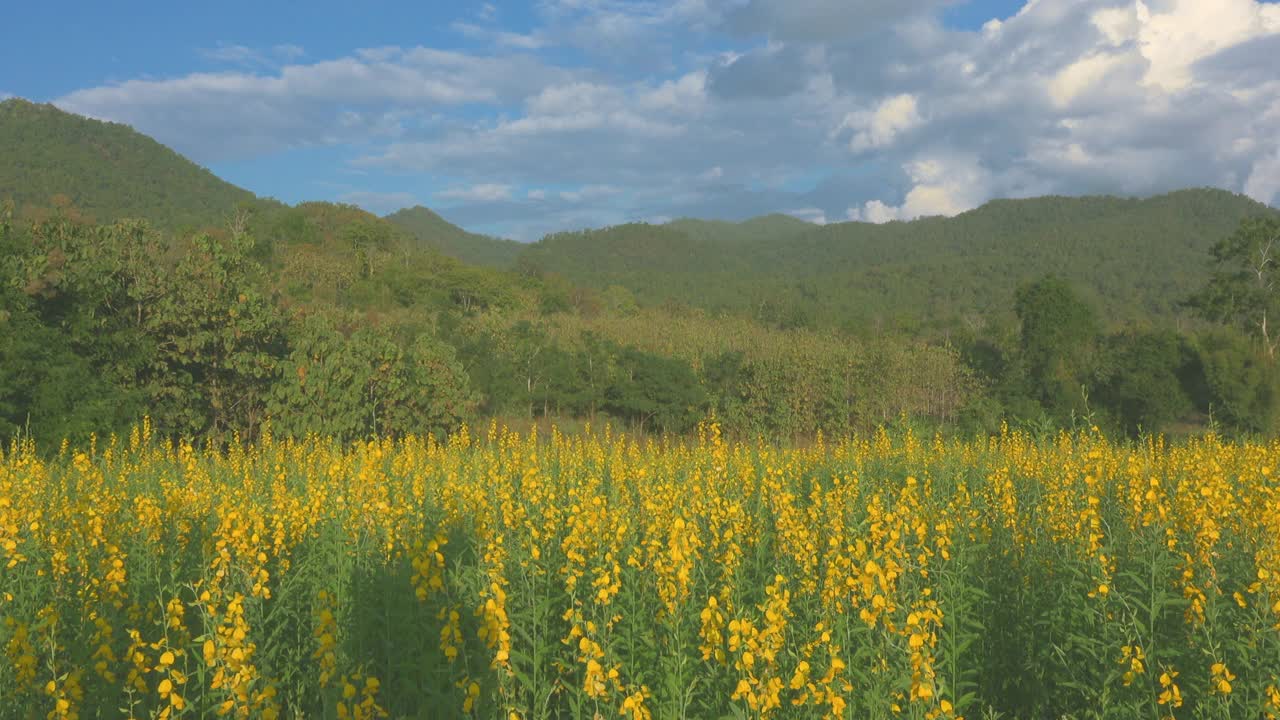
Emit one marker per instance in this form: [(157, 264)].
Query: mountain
[(105, 170), (1136, 259), (451, 240), (766, 227)]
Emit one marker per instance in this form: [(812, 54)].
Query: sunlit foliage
[(510, 576)]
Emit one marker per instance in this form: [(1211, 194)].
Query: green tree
[(366, 384), (727, 377), (219, 338), (47, 388), (651, 389), (432, 395), (1144, 378), (1243, 391), (1244, 289), (1059, 332)]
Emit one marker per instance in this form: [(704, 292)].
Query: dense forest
[(134, 282), (106, 171), (1135, 259), (455, 242)]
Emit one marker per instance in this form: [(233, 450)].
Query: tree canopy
[(213, 311)]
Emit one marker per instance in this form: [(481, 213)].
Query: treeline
[(326, 319), (323, 318), (1060, 368), (1134, 259)]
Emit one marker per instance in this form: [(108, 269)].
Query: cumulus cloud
[(879, 127), (1264, 178), (770, 72), (220, 116), (941, 185), (580, 132), (873, 110), (1103, 96)]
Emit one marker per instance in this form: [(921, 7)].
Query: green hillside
[(455, 242), (105, 170), (766, 227), (1137, 259), (210, 311)]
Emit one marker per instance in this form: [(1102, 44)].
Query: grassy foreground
[(589, 576)]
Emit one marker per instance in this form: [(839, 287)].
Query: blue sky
[(519, 119)]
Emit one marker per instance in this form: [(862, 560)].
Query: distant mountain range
[(1136, 258)]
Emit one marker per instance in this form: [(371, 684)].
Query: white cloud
[(1091, 96), (879, 127), (941, 185), (715, 107), (584, 132), (873, 212), (1177, 33), (486, 192), (1084, 75), (1096, 97), (1263, 183), (216, 116), (1117, 24)]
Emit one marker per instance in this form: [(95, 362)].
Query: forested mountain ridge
[(1138, 258), (774, 227), (107, 171), (451, 240)]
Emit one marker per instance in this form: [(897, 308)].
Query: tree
[(1144, 379), (433, 394), (218, 341), (1058, 335), (47, 388), (1243, 290), (654, 389), (727, 377), (366, 384), (1244, 394)]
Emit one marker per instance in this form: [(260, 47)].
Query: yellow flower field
[(594, 576)]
